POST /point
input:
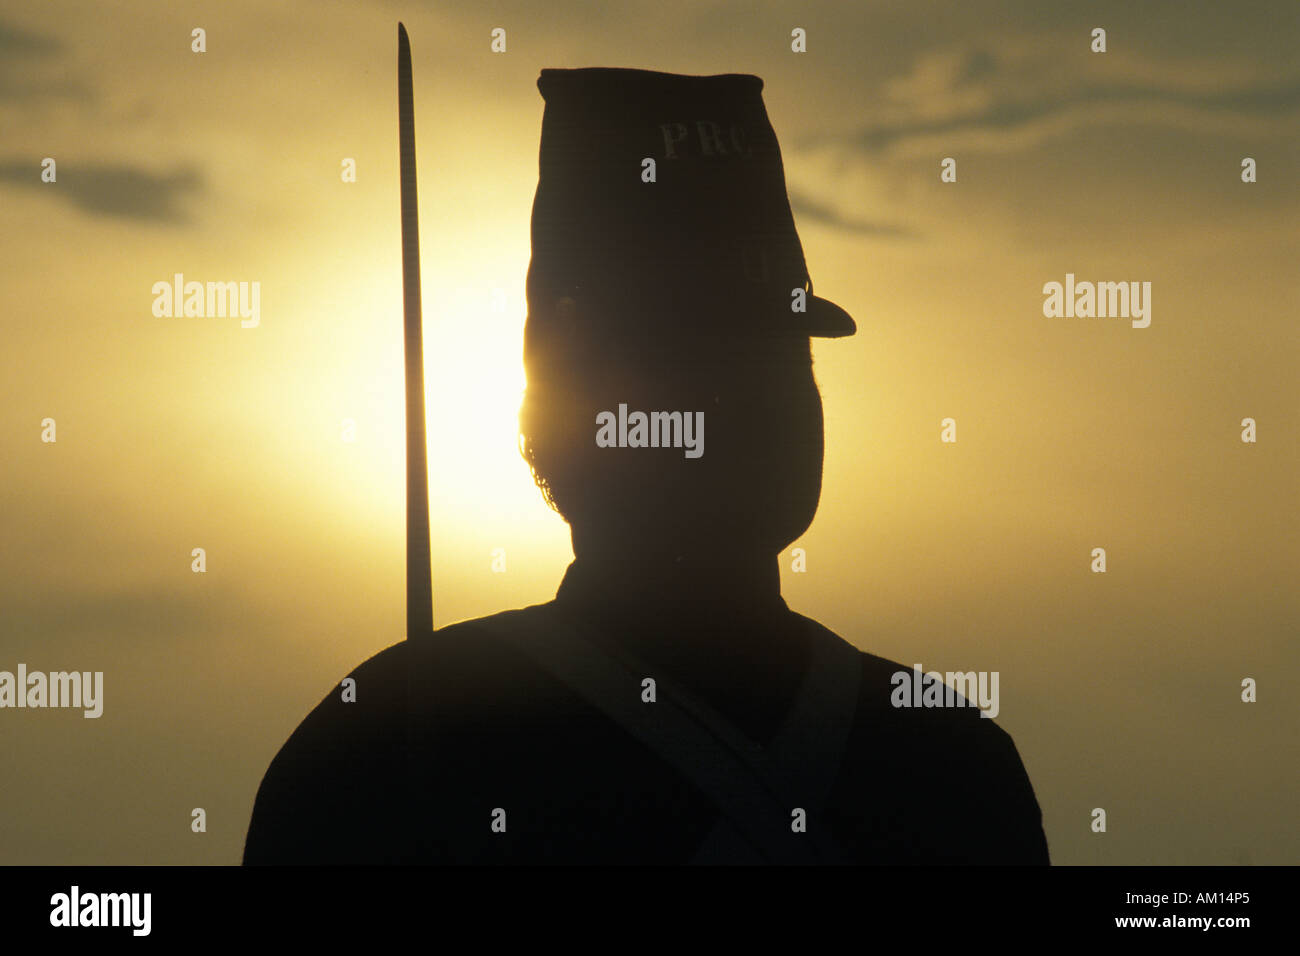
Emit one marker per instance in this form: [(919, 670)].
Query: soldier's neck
[(707, 578), (715, 622)]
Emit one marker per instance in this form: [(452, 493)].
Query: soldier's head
[(738, 430), (668, 296)]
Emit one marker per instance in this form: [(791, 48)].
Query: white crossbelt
[(756, 789)]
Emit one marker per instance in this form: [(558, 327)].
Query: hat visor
[(824, 319)]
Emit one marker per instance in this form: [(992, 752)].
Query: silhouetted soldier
[(667, 706)]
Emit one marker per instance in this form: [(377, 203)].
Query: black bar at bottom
[(966, 906)]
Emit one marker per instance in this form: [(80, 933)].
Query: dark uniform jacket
[(466, 746)]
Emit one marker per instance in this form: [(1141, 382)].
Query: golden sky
[(1121, 690)]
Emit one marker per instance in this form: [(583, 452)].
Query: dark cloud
[(977, 65), (18, 82), (16, 87), (126, 192), (148, 613), (805, 208), (1014, 112), (17, 42)]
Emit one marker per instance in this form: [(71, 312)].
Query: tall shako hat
[(709, 247)]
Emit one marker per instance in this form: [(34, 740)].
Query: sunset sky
[(1121, 690)]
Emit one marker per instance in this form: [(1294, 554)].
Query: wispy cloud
[(106, 189), (19, 50), (970, 92), (805, 207), (17, 42)]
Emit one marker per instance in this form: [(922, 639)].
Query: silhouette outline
[(673, 294)]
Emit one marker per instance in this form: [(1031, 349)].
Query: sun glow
[(474, 380)]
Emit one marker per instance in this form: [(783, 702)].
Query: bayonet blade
[(419, 586)]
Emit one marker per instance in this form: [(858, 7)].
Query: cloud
[(140, 620), (119, 190), (805, 207), (17, 80), (143, 611), (975, 65), (966, 93), (17, 42), (15, 88)]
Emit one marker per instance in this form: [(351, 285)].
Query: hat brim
[(826, 320)]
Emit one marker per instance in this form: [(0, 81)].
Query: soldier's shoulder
[(880, 700), (350, 753), (482, 664), (476, 637), (312, 785), (931, 755), (517, 620), (376, 694), (490, 639)]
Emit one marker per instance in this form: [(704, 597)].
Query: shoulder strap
[(809, 749), (754, 789), (811, 744)]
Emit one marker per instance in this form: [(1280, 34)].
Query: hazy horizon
[(1121, 690)]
